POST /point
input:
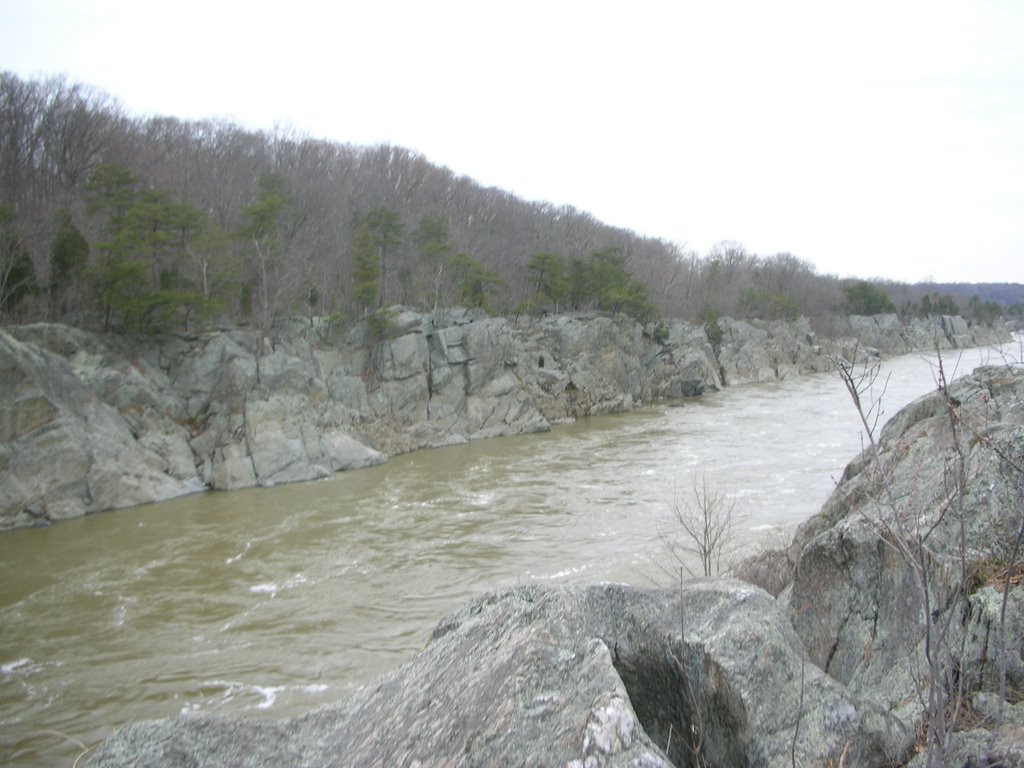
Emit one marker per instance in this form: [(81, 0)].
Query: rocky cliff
[(91, 422), (842, 669), (131, 420)]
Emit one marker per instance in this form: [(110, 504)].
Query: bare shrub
[(704, 529)]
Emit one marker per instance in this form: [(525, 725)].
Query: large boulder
[(888, 585), (709, 674)]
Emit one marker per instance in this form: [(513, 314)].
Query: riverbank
[(93, 422)]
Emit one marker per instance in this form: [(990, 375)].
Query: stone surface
[(890, 335), (232, 409), (591, 676), (757, 351), (989, 655), (981, 748), (857, 600), (64, 452)]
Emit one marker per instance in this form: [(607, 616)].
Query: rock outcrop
[(140, 419), (597, 676), (889, 335), (899, 580), (752, 351), (64, 451), (757, 351)]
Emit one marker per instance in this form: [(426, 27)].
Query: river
[(270, 602)]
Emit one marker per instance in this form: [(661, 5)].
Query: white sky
[(877, 138)]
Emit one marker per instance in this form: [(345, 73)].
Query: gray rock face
[(756, 351), (685, 366), (581, 677), (63, 452), (232, 410), (144, 419), (1001, 747), (859, 605), (987, 654), (890, 335)]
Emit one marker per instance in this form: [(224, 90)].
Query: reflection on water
[(273, 601)]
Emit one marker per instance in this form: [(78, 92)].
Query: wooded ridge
[(114, 222)]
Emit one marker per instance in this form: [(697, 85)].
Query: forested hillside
[(113, 221)]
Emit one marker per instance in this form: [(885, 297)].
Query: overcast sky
[(869, 138)]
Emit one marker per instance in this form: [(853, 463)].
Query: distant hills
[(1004, 294)]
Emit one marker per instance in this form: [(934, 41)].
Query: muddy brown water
[(271, 602)]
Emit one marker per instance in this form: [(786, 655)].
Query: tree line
[(157, 224)]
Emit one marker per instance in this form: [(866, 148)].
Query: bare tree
[(704, 528)]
